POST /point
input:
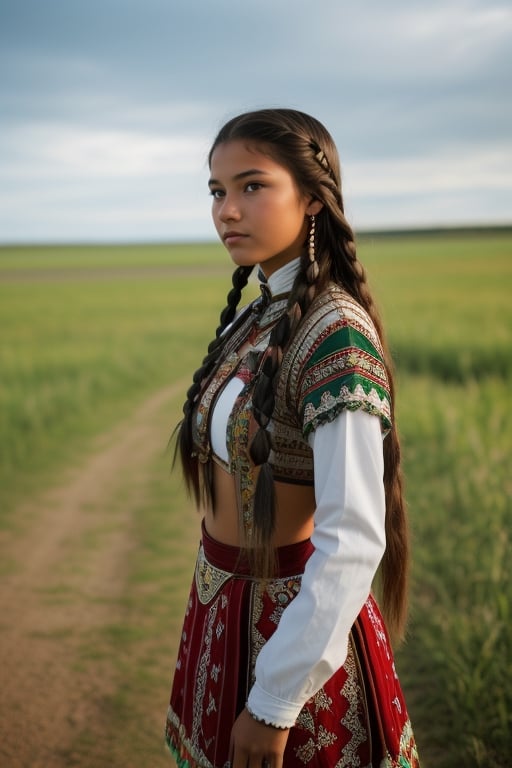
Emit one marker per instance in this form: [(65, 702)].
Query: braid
[(261, 553), (185, 444), (394, 570), (348, 270), (239, 280), (337, 261)]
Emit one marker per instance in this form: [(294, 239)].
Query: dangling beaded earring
[(313, 269)]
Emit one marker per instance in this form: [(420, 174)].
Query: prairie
[(91, 335)]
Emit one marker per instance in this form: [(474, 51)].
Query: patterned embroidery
[(332, 728), (251, 325), (305, 720), (321, 701), (352, 720), (202, 674), (325, 738), (241, 466), (408, 757), (380, 632), (219, 629), (282, 592), (334, 362), (326, 734), (344, 370), (211, 705), (201, 424), (209, 580), (177, 735), (331, 404), (306, 752), (272, 591), (408, 748)]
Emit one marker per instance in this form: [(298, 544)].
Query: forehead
[(238, 155)]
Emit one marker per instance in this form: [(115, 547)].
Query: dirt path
[(66, 565)]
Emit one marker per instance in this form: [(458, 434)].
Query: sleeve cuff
[(271, 710)]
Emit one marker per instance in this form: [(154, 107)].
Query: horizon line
[(423, 230)]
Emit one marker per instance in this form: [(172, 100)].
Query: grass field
[(90, 333)]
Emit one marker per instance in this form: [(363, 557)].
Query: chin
[(243, 260)]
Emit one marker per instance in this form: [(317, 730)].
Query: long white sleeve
[(310, 643)]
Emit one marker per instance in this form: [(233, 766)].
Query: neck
[(281, 281)]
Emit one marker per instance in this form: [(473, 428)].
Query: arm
[(310, 643)]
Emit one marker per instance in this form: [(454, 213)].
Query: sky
[(108, 108)]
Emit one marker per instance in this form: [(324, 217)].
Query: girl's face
[(258, 211)]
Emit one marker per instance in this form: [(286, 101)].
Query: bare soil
[(63, 571)]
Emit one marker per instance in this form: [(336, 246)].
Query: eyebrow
[(242, 175)]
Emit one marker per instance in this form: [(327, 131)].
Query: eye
[(217, 193), (253, 186)]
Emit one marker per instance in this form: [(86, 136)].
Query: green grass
[(445, 302), (458, 660), (77, 354), (24, 258)]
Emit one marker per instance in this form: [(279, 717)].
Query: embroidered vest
[(335, 361)]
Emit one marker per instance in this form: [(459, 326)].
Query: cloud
[(108, 107), (40, 150), (455, 169), (456, 186)]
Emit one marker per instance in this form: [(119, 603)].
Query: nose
[(229, 209)]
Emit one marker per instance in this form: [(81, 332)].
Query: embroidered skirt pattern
[(358, 718)]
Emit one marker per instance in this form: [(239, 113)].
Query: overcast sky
[(108, 107)]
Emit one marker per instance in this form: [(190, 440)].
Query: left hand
[(255, 744)]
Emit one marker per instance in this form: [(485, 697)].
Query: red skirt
[(358, 718)]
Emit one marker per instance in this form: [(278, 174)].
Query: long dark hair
[(302, 145)]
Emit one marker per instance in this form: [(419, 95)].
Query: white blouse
[(310, 642)]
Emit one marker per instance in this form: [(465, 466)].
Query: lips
[(232, 237)]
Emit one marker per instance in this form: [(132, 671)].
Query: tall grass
[(458, 660), (75, 354), (446, 303)]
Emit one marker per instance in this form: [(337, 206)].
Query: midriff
[(295, 506)]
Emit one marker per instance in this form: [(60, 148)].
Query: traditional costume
[(306, 649)]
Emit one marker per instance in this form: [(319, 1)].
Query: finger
[(276, 761), (240, 758)]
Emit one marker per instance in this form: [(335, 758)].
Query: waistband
[(291, 558)]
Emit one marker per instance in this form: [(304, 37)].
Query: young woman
[(288, 443)]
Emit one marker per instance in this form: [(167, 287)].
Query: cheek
[(283, 213), (215, 217), (295, 219)]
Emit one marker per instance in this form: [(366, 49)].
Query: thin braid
[(239, 280), (184, 443), (263, 400), (321, 159), (261, 553)]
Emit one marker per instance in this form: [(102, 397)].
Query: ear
[(314, 207)]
